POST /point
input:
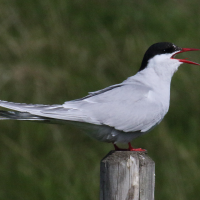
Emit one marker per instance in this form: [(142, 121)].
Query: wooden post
[(127, 175)]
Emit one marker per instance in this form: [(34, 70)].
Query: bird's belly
[(108, 134)]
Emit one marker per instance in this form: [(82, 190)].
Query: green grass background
[(53, 51)]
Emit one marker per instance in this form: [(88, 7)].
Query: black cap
[(157, 49)]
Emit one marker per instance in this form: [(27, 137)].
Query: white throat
[(163, 66)]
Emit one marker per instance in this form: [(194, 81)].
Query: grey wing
[(128, 108), (125, 107), (130, 116), (71, 110)]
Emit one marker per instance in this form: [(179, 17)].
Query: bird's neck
[(154, 78), (162, 71)]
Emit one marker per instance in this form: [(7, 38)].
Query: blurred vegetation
[(53, 51)]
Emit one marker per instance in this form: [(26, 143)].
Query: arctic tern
[(118, 113)]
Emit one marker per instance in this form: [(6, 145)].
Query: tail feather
[(22, 111), (44, 112), (16, 115), (23, 107)]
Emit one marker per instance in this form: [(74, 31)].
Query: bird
[(118, 113)]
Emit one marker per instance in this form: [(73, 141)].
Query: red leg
[(132, 149)]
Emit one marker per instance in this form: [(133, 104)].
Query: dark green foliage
[(53, 51)]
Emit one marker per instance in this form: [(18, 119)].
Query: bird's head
[(161, 57)]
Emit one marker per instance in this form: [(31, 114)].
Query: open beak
[(185, 60)]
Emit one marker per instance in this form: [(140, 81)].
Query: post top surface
[(115, 156)]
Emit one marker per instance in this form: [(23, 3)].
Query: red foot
[(138, 149), (129, 149), (132, 149)]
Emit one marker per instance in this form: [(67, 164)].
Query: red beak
[(184, 60)]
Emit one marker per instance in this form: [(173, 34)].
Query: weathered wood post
[(127, 175)]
